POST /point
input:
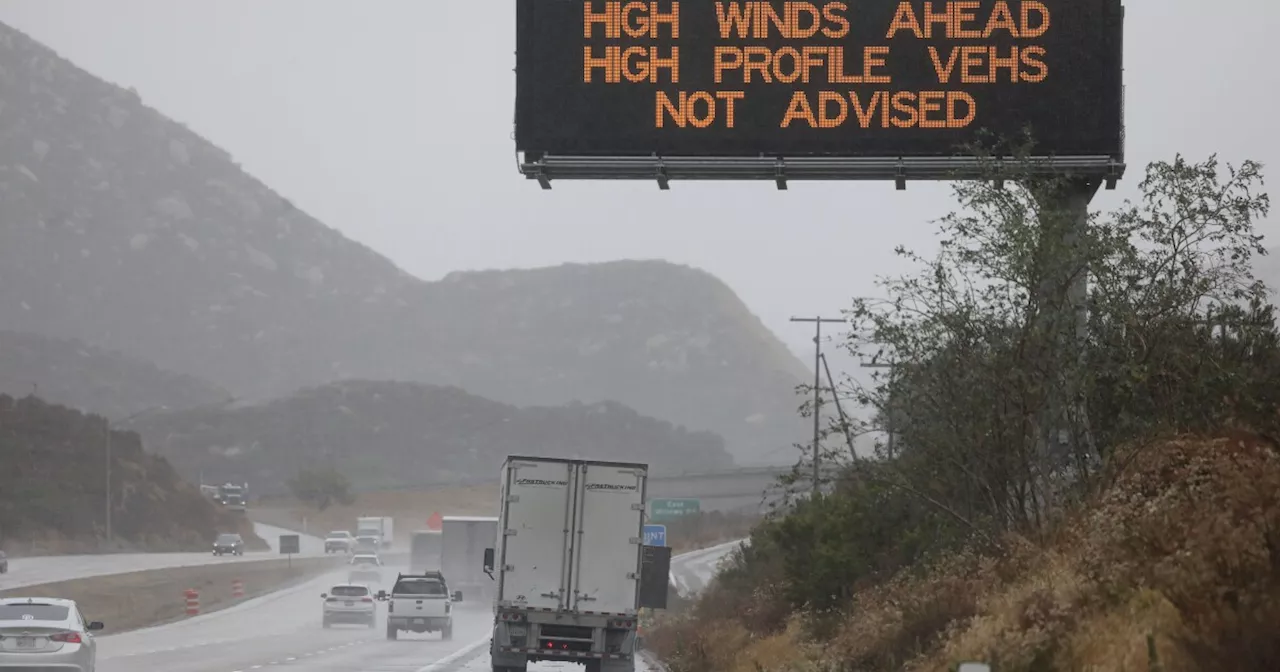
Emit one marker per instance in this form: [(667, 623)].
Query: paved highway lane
[(691, 572), (281, 631), (49, 569)]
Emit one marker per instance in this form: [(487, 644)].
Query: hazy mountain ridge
[(391, 434), (126, 230), (54, 490), (81, 376)]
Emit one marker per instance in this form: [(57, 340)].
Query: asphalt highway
[(50, 569), (282, 631)]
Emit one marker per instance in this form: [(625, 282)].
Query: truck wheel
[(391, 633), (447, 633), (593, 665)]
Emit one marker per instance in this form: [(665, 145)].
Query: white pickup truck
[(420, 603)]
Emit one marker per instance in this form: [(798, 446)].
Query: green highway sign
[(667, 509)]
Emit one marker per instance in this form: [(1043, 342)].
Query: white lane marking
[(455, 657)]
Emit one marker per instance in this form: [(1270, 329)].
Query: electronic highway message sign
[(849, 78)]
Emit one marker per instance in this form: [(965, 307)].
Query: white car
[(366, 568), (349, 603), (39, 633)]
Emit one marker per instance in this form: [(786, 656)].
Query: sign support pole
[(1064, 220)]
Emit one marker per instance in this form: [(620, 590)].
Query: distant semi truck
[(464, 539), (425, 551)]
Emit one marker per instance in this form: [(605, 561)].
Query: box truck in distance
[(568, 563), (462, 558), (424, 550)]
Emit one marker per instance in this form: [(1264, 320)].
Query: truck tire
[(391, 633), (446, 633)]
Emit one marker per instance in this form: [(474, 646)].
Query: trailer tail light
[(626, 624)]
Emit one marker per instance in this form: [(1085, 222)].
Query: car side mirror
[(488, 559), (457, 596), (324, 596), (96, 625), (382, 595)]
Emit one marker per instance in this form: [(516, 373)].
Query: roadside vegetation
[(1103, 497)]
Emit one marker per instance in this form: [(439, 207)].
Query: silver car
[(46, 633)]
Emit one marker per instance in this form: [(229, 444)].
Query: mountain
[(53, 484), (393, 434), (670, 341), (94, 380), (124, 229)]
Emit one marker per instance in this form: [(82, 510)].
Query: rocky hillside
[(123, 228), (54, 487), (385, 434), (84, 377)]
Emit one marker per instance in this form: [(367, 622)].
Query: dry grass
[(1181, 553)]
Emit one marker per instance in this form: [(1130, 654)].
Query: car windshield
[(365, 560), (350, 591), (420, 587), (228, 538), (339, 533), (33, 612)]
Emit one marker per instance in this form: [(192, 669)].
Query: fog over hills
[(81, 376), (395, 434), (124, 229)]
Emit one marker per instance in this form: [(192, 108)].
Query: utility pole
[(817, 390), (888, 417), (110, 537)]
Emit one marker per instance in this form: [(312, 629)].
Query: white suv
[(420, 603), (349, 604)]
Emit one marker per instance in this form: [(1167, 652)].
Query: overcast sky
[(391, 120)]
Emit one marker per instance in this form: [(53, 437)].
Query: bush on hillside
[(1008, 423)]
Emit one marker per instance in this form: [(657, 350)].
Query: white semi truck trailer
[(568, 564)]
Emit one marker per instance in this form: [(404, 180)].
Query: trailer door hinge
[(509, 533), (633, 576), (635, 540), (638, 506), (513, 498)]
